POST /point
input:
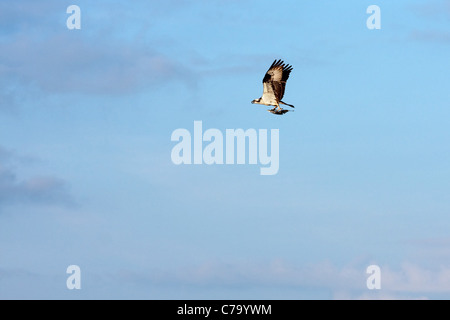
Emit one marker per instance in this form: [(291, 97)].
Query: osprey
[(274, 83)]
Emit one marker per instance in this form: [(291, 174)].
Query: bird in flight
[(274, 83)]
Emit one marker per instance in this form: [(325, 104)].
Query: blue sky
[(86, 177)]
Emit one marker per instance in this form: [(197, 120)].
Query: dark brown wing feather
[(276, 76)]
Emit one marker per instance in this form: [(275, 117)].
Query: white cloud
[(413, 278), (406, 282)]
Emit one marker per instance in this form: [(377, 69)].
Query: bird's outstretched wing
[(274, 81)]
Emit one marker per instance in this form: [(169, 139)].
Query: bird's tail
[(290, 105)]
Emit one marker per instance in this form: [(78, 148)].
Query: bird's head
[(256, 101)]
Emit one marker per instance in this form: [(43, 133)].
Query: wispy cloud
[(60, 61), (433, 9), (437, 11), (243, 274), (62, 64), (33, 190), (408, 281), (26, 16), (413, 278), (431, 36)]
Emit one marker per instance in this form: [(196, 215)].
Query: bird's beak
[(253, 101)]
